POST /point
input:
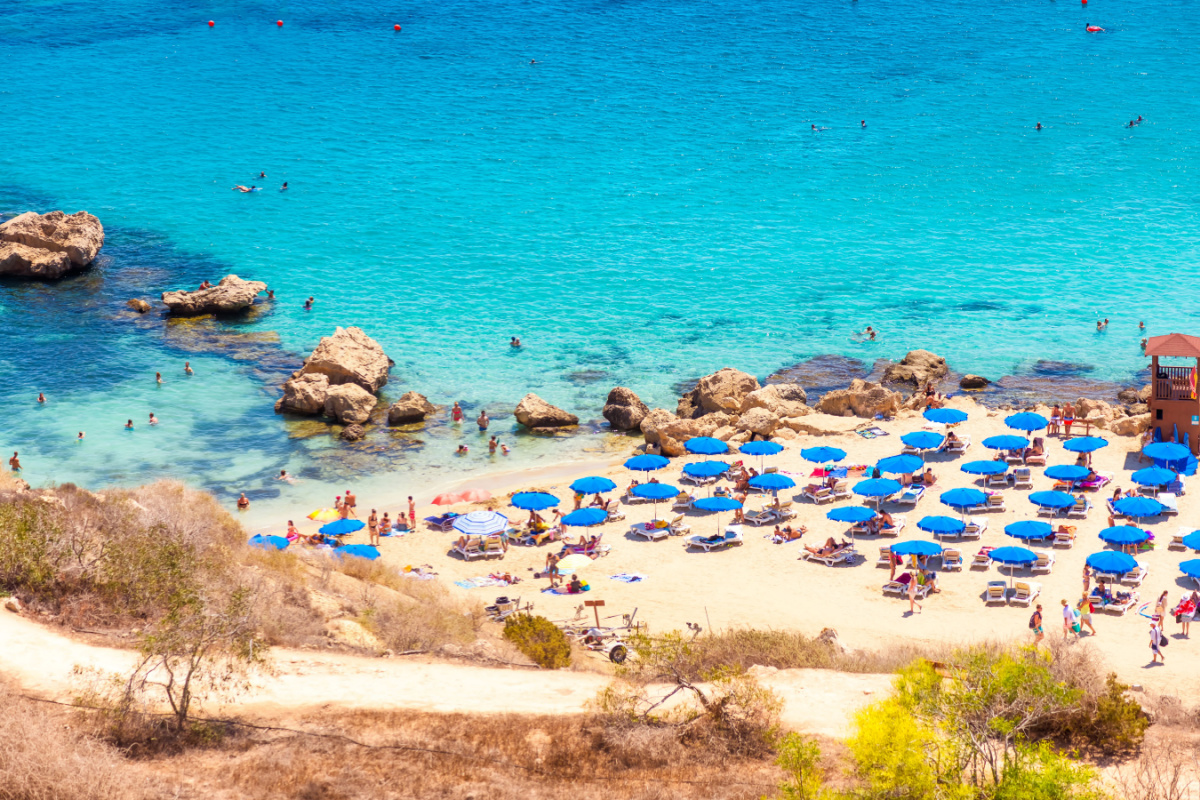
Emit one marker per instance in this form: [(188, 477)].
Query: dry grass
[(43, 758)]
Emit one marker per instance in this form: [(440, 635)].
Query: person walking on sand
[(1085, 613), (1087, 577), (373, 528), (913, 605), (552, 569), (1035, 625), (1068, 620), (482, 421), (350, 503), (14, 463), (412, 512), (1156, 640), (1187, 617)]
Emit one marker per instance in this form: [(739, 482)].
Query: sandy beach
[(766, 585)]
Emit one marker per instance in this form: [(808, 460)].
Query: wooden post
[(595, 605)]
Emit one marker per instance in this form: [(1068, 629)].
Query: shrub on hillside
[(539, 639)]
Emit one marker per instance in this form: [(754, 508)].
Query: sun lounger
[(786, 510), (960, 446), (731, 538), (951, 559), (649, 532), (998, 481), (910, 496), (909, 450), (1022, 478), (995, 502), (845, 554), (442, 522), (997, 592), (900, 521), (1170, 503), (493, 547), (697, 479), (594, 549), (1045, 562), (1024, 592), (1119, 603), (615, 514), (1014, 457), (1035, 460), (885, 556), (682, 502), (1112, 509), (1175, 487), (1136, 577), (1177, 540), (471, 550), (821, 495), (900, 587), (1048, 511), (981, 558), (1080, 509), (632, 499), (539, 537), (1097, 481), (678, 527), (841, 489), (770, 470), (1064, 539), (974, 528), (764, 517)]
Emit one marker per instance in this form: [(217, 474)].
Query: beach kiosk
[(1174, 405)]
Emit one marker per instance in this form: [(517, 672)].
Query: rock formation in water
[(49, 246), (411, 407), (340, 379), (917, 368), (230, 296), (624, 410), (534, 412)]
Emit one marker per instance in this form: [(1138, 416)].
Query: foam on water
[(646, 204)]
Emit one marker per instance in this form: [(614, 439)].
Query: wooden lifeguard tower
[(1174, 404)]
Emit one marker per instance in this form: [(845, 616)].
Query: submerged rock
[(138, 305), (624, 410), (534, 412), (973, 382), (411, 407), (229, 296), (352, 433), (349, 356), (78, 237)]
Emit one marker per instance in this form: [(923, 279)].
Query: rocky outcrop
[(138, 305), (349, 356), (20, 261), (724, 390), (674, 434), (1130, 426), (973, 382), (230, 296), (688, 406), (349, 402), (304, 395), (758, 421), (818, 424), (781, 399), (77, 238), (624, 410), (534, 412), (862, 399), (917, 368), (411, 407), (352, 433), (653, 421)]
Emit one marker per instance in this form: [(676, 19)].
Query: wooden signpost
[(595, 605)]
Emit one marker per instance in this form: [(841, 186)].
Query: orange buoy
[(210, 23), (279, 22), (395, 27), (1094, 29)]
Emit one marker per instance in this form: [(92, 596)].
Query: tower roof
[(1174, 344)]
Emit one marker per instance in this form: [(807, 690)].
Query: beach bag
[(1033, 623), (1178, 618), (1162, 639)]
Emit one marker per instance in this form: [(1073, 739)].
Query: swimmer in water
[(187, 368), (41, 397), (129, 425), (1141, 326), (503, 448), (531, 61), (79, 438), (262, 174), (814, 127), (864, 123), (153, 419), (14, 463), (462, 450), (1038, 127), (308, 304), (270, 294), (158, 378), (283, 476), (868, 334), (241, 188), (514, 341), (284, 187)]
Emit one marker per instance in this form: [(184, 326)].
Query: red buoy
[(395, 27), (279, 23), (210, 23), (1094, 29)]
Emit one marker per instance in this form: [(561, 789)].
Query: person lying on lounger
[(883, 522), (831, 548), (828, 483)]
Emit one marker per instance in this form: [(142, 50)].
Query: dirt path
[(40, 661)]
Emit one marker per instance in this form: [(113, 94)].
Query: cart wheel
[(618, 654)]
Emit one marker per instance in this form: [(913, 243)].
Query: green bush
[(539, 639), (1110, 721)]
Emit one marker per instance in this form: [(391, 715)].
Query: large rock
[(861, 399), (304, 395), (781, 399), (724, 390), (759, 421), (674, 434), (818, 424), (229, 296), (624, 410), (138, 305), (1130, 426), (1130, 396), (534, 412), (349, 356), (688, 406), (654, 420), (918, 368), (352, 433), (973, 382), (22, 261), (411, 407), (349, 402), (79, 236)]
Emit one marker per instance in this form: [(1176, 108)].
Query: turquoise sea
[(645, 204)]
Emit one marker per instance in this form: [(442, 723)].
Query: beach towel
[(872, 433), (480, 583), (628, 577)]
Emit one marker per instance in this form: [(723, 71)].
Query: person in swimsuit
[(244, 189), (187, 368), (456, 413), (243, 502), (412, 510), (153, 419), (482, 421), (308, 304), (1035, 624), (41, 397), (158, 378), (1068, 417), (492, 445), (284, 187), (1038, 127), (14, 463), (864, 123), (128, 424), (1055, 420), (79, 438), (373, 528), (514, 341), (350, 503)]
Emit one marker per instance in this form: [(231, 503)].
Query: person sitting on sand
[(929, 479), (787, 534), (575, 586), (293, 533), (385, 524)]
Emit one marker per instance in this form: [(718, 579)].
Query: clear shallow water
[(645, 205)]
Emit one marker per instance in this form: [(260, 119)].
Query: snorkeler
[(284, 187)]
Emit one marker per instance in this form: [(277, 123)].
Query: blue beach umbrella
[(917, 547), (269, 542), (923, 440), (1012, 557), (941, 526), (1084, 444), (1006, 442), (852, 514), (718, 504), (357, 550), (1192, 540), (1191, 568), (772, 482), (1153, 476), (340, 527), (963, 498), (481, 523), (1135, 507), (1067, 472), (655, 492), (647, 462), (1029, 529), (1166, 451), (877, 487), (533, 501), (899, 465), (1026, 421), (705, 446), (984, 467), (1123, 535), (822, 455), (1052, 499), (1112, 562), (585, 517), (593, 485), (761, 448), (705, 469), (945, 416)]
